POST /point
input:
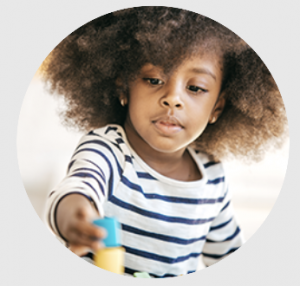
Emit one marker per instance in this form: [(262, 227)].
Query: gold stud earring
[(123, 101)]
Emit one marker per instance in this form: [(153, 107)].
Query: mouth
[(168, 125)]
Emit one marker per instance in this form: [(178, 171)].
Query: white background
[(29, 31)]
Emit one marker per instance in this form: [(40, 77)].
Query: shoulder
[(112, 135), (107, 139), (213, 169), (207, 160)]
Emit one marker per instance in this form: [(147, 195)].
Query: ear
[(218, 108), (123, 100), (122, 97)]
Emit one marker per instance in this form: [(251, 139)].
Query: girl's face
[(167, 113)]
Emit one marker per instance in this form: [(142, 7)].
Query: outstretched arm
[(80, 196), (73, 219)]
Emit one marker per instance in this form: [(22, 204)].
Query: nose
[(172, 98)]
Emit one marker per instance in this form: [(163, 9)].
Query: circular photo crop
[(153, 142)]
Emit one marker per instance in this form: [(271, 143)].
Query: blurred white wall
[(45, 147)]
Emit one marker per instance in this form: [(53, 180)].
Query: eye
[(196, 89), (154, 81)]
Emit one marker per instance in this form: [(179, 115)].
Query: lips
[(168, 125)]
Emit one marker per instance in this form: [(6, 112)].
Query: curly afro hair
[(85, 67)]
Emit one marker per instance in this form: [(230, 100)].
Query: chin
[(167, 148)]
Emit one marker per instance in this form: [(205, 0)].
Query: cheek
[(198, 117), (203, 108), (140, 105), (200, 110), (138, 113), (135, 107)]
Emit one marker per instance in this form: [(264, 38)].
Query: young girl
[(164, 95)]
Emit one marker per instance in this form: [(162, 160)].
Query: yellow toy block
[(111, 259)]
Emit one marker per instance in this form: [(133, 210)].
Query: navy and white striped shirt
[(166, 224)]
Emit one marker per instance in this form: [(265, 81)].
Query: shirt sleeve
[(224, 236), (92, 172)]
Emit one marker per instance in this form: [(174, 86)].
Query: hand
[(74, 216)]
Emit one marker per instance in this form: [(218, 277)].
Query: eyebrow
[(204, 70)]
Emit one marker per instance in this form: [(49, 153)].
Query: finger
[(79, 249), (88, 229), (79, 239)]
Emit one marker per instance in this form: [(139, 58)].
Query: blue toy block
[(112, 227)]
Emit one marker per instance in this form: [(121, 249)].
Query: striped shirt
[(166, 224)]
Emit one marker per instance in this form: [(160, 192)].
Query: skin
[(165, 115), (73, 217)]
